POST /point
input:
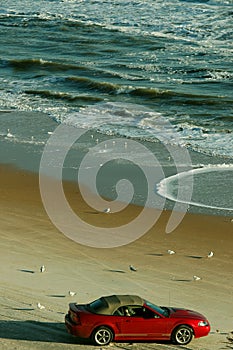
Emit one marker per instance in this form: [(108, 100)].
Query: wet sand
[(29, 239)]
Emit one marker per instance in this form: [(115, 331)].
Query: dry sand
[(29, 239)]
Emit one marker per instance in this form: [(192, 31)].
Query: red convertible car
[(130, 318)]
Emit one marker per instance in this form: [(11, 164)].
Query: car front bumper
[(201, 331)]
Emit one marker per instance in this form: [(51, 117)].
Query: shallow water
[(159, 73)]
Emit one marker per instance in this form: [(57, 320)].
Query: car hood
[(178, 313)]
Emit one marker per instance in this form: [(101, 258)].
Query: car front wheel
[(182, 335), (102, 336)]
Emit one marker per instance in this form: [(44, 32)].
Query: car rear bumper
[(71, 327), (76, 330)]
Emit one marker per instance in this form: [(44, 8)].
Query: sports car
[(130, 318)]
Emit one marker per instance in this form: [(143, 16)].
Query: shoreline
[(29, 239), (25, 150)]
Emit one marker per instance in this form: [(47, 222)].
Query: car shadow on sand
[(54, 332)]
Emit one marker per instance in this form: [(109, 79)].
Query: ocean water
[(159, 73)]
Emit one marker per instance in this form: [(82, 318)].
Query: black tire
[(102, 336), (182, 335)]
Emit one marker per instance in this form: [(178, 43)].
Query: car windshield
[(161, 310)]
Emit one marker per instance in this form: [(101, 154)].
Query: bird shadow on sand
[(155, 254), (92, 212), (181, 280), (117, 271), (56, 296), (194, 256), (22, 308), (27, 271)]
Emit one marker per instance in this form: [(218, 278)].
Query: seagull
[(9, 134), (107, 210), (196, 278), (210, 255), (171, 251), (72, 293), (41, 307), (42, 268), (132, 268)]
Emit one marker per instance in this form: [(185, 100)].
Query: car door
[(143, 324)]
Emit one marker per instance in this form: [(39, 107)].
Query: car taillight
[(75, 317)]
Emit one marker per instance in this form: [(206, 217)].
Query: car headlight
[(203, 323)]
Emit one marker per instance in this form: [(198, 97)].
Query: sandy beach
[(129, 102), (29, 239)]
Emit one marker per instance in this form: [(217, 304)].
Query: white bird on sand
[(42, 268), (41, 307), (72, 293), (210, 255), (107, 210), (132, 268), (196, 278), (171, 251)]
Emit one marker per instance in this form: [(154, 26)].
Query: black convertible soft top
[(107, 305)]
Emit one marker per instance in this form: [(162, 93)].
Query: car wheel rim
[(183, 335), (103, 337)]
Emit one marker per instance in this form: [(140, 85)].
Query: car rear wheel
[(102, 336), (182, 335)]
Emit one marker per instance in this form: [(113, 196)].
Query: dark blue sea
[(156, 73)]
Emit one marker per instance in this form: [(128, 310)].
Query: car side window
[(135, 311), (141, 311), (119, 312), (138, 311), (149, 314), (125, 311)]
